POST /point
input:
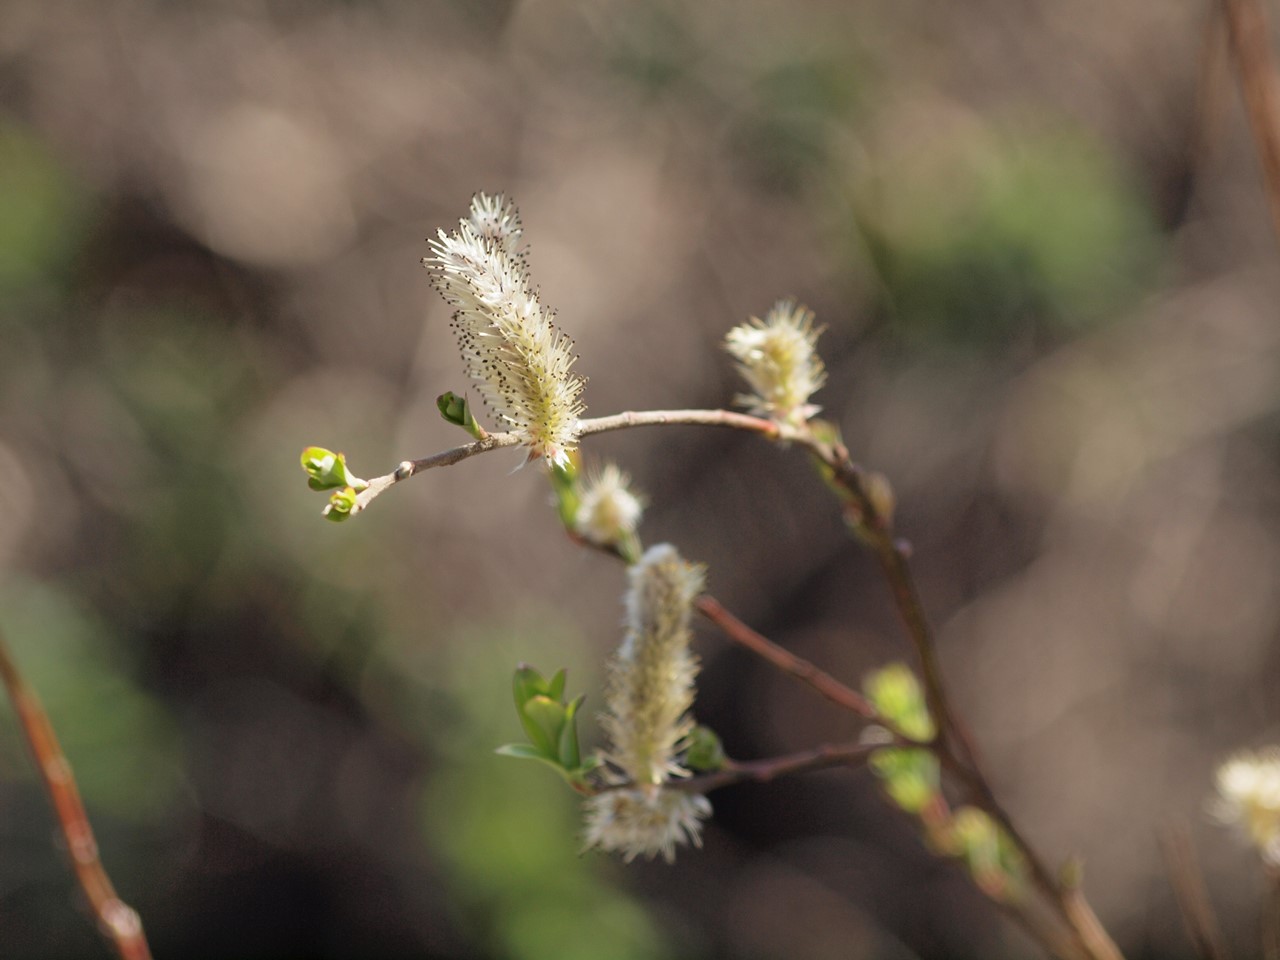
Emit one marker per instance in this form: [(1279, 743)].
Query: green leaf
[(341, 505), (911, 776), (564, 483), (550, 724), (555, 688), (528, 683), (705, 752), (327, 470), (544, 719), (569, 753), (896, 693), (524, 751), (456, 410)]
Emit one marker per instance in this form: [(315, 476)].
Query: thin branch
[(620, 421), (953, 743), (705, 418), (444, 458), (1250, 43), (117, 921), (954, 746), (1271, 917), (822, 757), (1189, 889), (787, 662)]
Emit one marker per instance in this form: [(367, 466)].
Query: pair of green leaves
[(327, 470), (911, 776), (992, 858), (551, 724)]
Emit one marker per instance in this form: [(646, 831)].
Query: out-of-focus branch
[(1086, 938), (1189, 889), (117, 921), (1250, 43), (1271, 916), (787, 662), (762, 771), (954, 744)]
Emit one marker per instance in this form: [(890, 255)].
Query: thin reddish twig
[(785, 660), (1190, 891), (953, 744), (1250, 42), (117, 921), (821, 757)]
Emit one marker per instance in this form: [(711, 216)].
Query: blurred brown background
[(1037, 237)]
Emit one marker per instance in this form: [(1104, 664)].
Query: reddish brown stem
[(784, 660), (1250, 44), (1191, 893), (117, 921), (954, 745), (761, 771)]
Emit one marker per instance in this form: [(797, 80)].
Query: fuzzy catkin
[(511, 348)]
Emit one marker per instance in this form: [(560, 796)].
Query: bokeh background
[(1037, 238)]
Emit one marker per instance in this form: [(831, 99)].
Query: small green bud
[(550, 724), (456, 410), (327, 470), (706, 752), (895, 692), (564, 484), (910, 776), (994, 862), (543, 719), (341, 505), (880, 493)]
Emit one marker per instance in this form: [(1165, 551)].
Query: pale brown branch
[(619, 421), (117, 921)]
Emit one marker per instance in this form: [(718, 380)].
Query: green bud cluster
[(551, 724), (327, 470)]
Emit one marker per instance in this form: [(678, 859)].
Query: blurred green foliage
[(651, 47), (992, 236), (126, 751), (782, 137), (512, 834), (41, 207)]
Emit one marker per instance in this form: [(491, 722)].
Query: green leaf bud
[(705, 752), (895, 692), (327, 470), (341, 505), (456, 410)]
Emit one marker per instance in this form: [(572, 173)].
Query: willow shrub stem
[(1088, 940), (1249, 40), (762, 771), (955, 745), (117, 921), (804, 671)]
